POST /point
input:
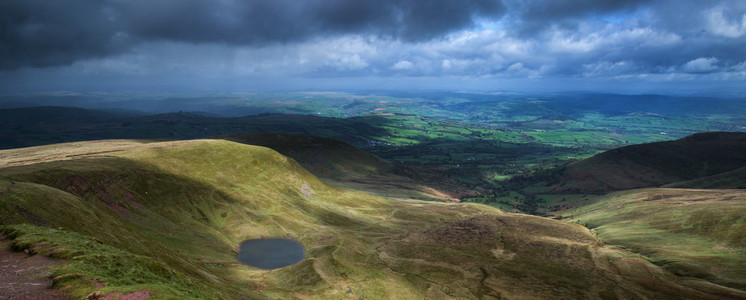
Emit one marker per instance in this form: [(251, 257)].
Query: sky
[(631, 46)]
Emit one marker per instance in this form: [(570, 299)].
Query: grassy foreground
[(696, 234), (167, 217)]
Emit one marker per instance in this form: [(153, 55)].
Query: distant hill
[(647, 165), (34, 126), (28, 126), (735, 179)]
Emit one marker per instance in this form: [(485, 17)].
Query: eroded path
[(24, 276)]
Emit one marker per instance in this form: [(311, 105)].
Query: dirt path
[(24, 276)]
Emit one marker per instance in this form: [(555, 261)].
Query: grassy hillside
[(341, 164), (322, 156), (735, 179), (166, 217), (645, 165), (692, 233)]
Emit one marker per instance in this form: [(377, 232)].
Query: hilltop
[(166, 217), (341, 164)]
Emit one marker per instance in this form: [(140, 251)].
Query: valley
[(470, 143), (532, 200), (133, 216), (366, 150)]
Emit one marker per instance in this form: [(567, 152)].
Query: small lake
[(270, 254)]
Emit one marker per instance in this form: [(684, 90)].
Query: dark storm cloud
[(42, 33), (532, 16), (227, 39), (250, 22), (412, 20)]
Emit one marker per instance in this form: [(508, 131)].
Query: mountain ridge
[(647, 165)]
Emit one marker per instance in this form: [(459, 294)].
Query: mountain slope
[(692, 233), (322, 156), (342, 164), (735, 179), (649, 165), (166, 218)]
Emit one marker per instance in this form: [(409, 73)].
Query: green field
[(478, 141)]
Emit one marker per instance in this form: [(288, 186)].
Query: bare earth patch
[(24, 276), (139, 295)]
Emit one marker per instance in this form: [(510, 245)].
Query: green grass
[(167, 217), (696, 233), (89, 259)]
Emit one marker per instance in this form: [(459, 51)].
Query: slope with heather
[(165, 218)]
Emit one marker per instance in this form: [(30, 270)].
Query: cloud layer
[(44, 33), (682, 40)]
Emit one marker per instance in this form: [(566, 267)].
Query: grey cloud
[(41, 33), (701, 65), (702, 29), (44, 33), (340, 38), (530, 17), (262, 21)]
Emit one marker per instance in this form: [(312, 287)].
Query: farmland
[(477, 140)]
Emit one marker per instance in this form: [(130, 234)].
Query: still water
[(270, 253)]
